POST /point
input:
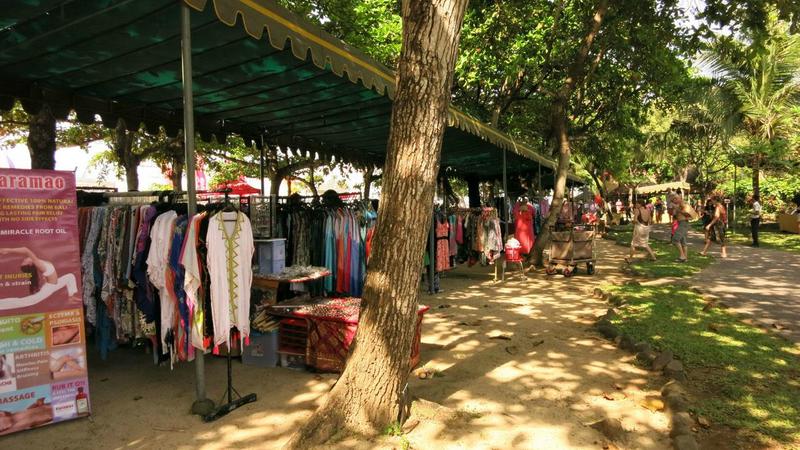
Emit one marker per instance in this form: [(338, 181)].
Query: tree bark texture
[(368, 174), (176, 176), (123, 150), (275, 185), (42, 139), (560, 126), (132, 177), (371, 391)]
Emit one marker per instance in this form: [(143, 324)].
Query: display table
[(331, 327), (278, 285)]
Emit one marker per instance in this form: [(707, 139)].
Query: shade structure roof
[(258, 70), (663, 187)]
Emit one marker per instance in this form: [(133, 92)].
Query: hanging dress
[(442, 245), (230, 255), (523, 226)]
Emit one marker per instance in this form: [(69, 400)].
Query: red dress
[(442, 245), (523, 226)]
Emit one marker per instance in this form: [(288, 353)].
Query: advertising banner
[(43, 372)]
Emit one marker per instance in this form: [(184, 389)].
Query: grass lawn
[(666, 265), (770, 239), (742, 377)]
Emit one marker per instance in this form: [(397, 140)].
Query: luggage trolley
[(571, 247)]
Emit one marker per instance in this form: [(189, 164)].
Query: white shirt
[(755, 212), (230, 269)]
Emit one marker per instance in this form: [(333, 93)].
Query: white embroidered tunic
[(230, 257), (157, 265)]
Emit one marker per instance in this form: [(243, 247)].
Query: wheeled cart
[(569, 248)]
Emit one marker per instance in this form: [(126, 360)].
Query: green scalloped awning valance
[(305, 88)]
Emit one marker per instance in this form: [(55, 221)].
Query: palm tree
[(761, 80)]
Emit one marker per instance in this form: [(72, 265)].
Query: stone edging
[(673, 393)]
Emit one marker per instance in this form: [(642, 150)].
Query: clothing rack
[(233, 403), (134, 198)]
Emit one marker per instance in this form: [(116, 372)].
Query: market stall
[(202, 66)]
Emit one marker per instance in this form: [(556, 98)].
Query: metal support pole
[(431, 254), (201, 405), (540, 180), (261, 171), (505, 195)]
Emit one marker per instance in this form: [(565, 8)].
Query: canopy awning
[(663, 187), (306, 89)]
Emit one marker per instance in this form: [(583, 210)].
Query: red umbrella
[(239, 187)]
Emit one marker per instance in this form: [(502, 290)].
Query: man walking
[(755, 218)]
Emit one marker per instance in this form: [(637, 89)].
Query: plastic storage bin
[(262, 350), (271, 255)]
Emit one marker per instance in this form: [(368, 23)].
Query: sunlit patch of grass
[(770, 239), (667, 254), (746, 378)]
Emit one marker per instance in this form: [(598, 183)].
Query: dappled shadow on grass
[(745, 378), (666, 265)]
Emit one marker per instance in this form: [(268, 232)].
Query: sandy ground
[(539, 389)]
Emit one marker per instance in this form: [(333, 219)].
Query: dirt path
[(758, 283), (539, 389)]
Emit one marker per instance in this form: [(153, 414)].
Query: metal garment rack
[(233, 403), (225, 408), (234, 399)]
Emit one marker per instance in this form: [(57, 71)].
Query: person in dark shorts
[(682, 213), (719, 226), (706, 216), (659, 208)]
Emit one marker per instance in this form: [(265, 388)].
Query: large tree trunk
[(176, 177), (601, 188), (560, 127), (275, 185), (312, 184), (368, 175), (371, 391), (132, 176), (42, 139), (122, 146)]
